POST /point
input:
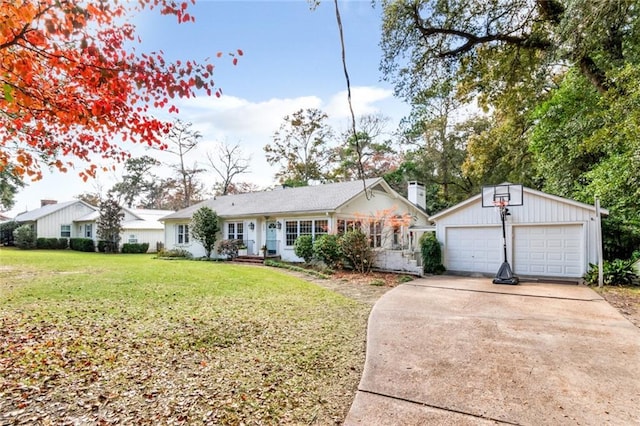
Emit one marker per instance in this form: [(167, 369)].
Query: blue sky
[(292, 60)]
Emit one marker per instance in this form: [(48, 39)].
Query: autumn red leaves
[(74, 88)]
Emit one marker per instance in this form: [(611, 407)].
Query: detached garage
[(547, 236)]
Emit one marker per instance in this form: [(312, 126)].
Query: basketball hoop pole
[(504, 275), (501, 196)]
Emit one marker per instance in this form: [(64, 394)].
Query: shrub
[(614, 272), (431, 254), (6, 232), (356, 249), (327, 248), (135, 247), (102, 246), (24, 237), (51, 243), (82, 244), (303, 247), (63, 243), (229, 248), (175, 253)]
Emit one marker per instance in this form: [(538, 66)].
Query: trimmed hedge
[(135, 247), (52, 243), (82, 244)]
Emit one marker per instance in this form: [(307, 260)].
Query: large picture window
[(183, 234), (295, 228), (235, 231)]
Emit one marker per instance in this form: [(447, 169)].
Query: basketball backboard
[(508, 193)]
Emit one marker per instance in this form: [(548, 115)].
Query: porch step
[(259, 260)]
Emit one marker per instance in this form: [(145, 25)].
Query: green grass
[(128, 338)]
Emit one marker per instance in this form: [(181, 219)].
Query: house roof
[(47, 210), (143, 218), (146, 219), (525, 190), (306, 199)]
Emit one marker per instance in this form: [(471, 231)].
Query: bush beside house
[(431, 253), (82, 244), (24, 237)]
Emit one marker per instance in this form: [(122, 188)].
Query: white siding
[(151, 236), (540, 211), (49, 226)]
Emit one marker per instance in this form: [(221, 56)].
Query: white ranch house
[(548, 236), (274, 219), (77, 219)]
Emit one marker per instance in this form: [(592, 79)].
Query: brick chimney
[(47, 202)]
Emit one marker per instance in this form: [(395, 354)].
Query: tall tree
[(373, 153), (228, 162), (204, 228), (301, 147), (73, 82), (137, 179), (180, 141), (109, 224), (495, 47)]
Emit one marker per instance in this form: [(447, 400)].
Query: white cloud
[(230, 119)]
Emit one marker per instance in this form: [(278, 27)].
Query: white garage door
[(474, 249), (551, 250)]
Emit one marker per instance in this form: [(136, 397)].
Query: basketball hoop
[(500, 197), (500, 203)]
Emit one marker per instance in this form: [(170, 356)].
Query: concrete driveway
[(463, 351)]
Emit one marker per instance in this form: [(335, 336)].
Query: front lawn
[(95, 338)]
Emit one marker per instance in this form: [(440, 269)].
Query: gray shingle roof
[(46, 210), (306, 199)]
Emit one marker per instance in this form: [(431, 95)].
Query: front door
[(272, 238)]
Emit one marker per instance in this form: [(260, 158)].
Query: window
[(65, 231), (291, 232), (183, 234), (88, 230), (375, 234), (306, 227), (295, 228), (133, 239), (348, 225), (321, 227), (235, 231)]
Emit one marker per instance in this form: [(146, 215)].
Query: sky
[(292, 60)]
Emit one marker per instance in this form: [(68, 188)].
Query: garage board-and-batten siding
[(548, 236)]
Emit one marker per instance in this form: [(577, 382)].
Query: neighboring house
[(56, 220), (138, 226), (548, 236), (77, 219), (275, 219)]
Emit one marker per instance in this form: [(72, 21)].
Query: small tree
[(204, 228), (24, 237), (303, 247), (356, 249), (431, 254), (109, 224)]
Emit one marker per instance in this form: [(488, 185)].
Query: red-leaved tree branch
[(71, 85)]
